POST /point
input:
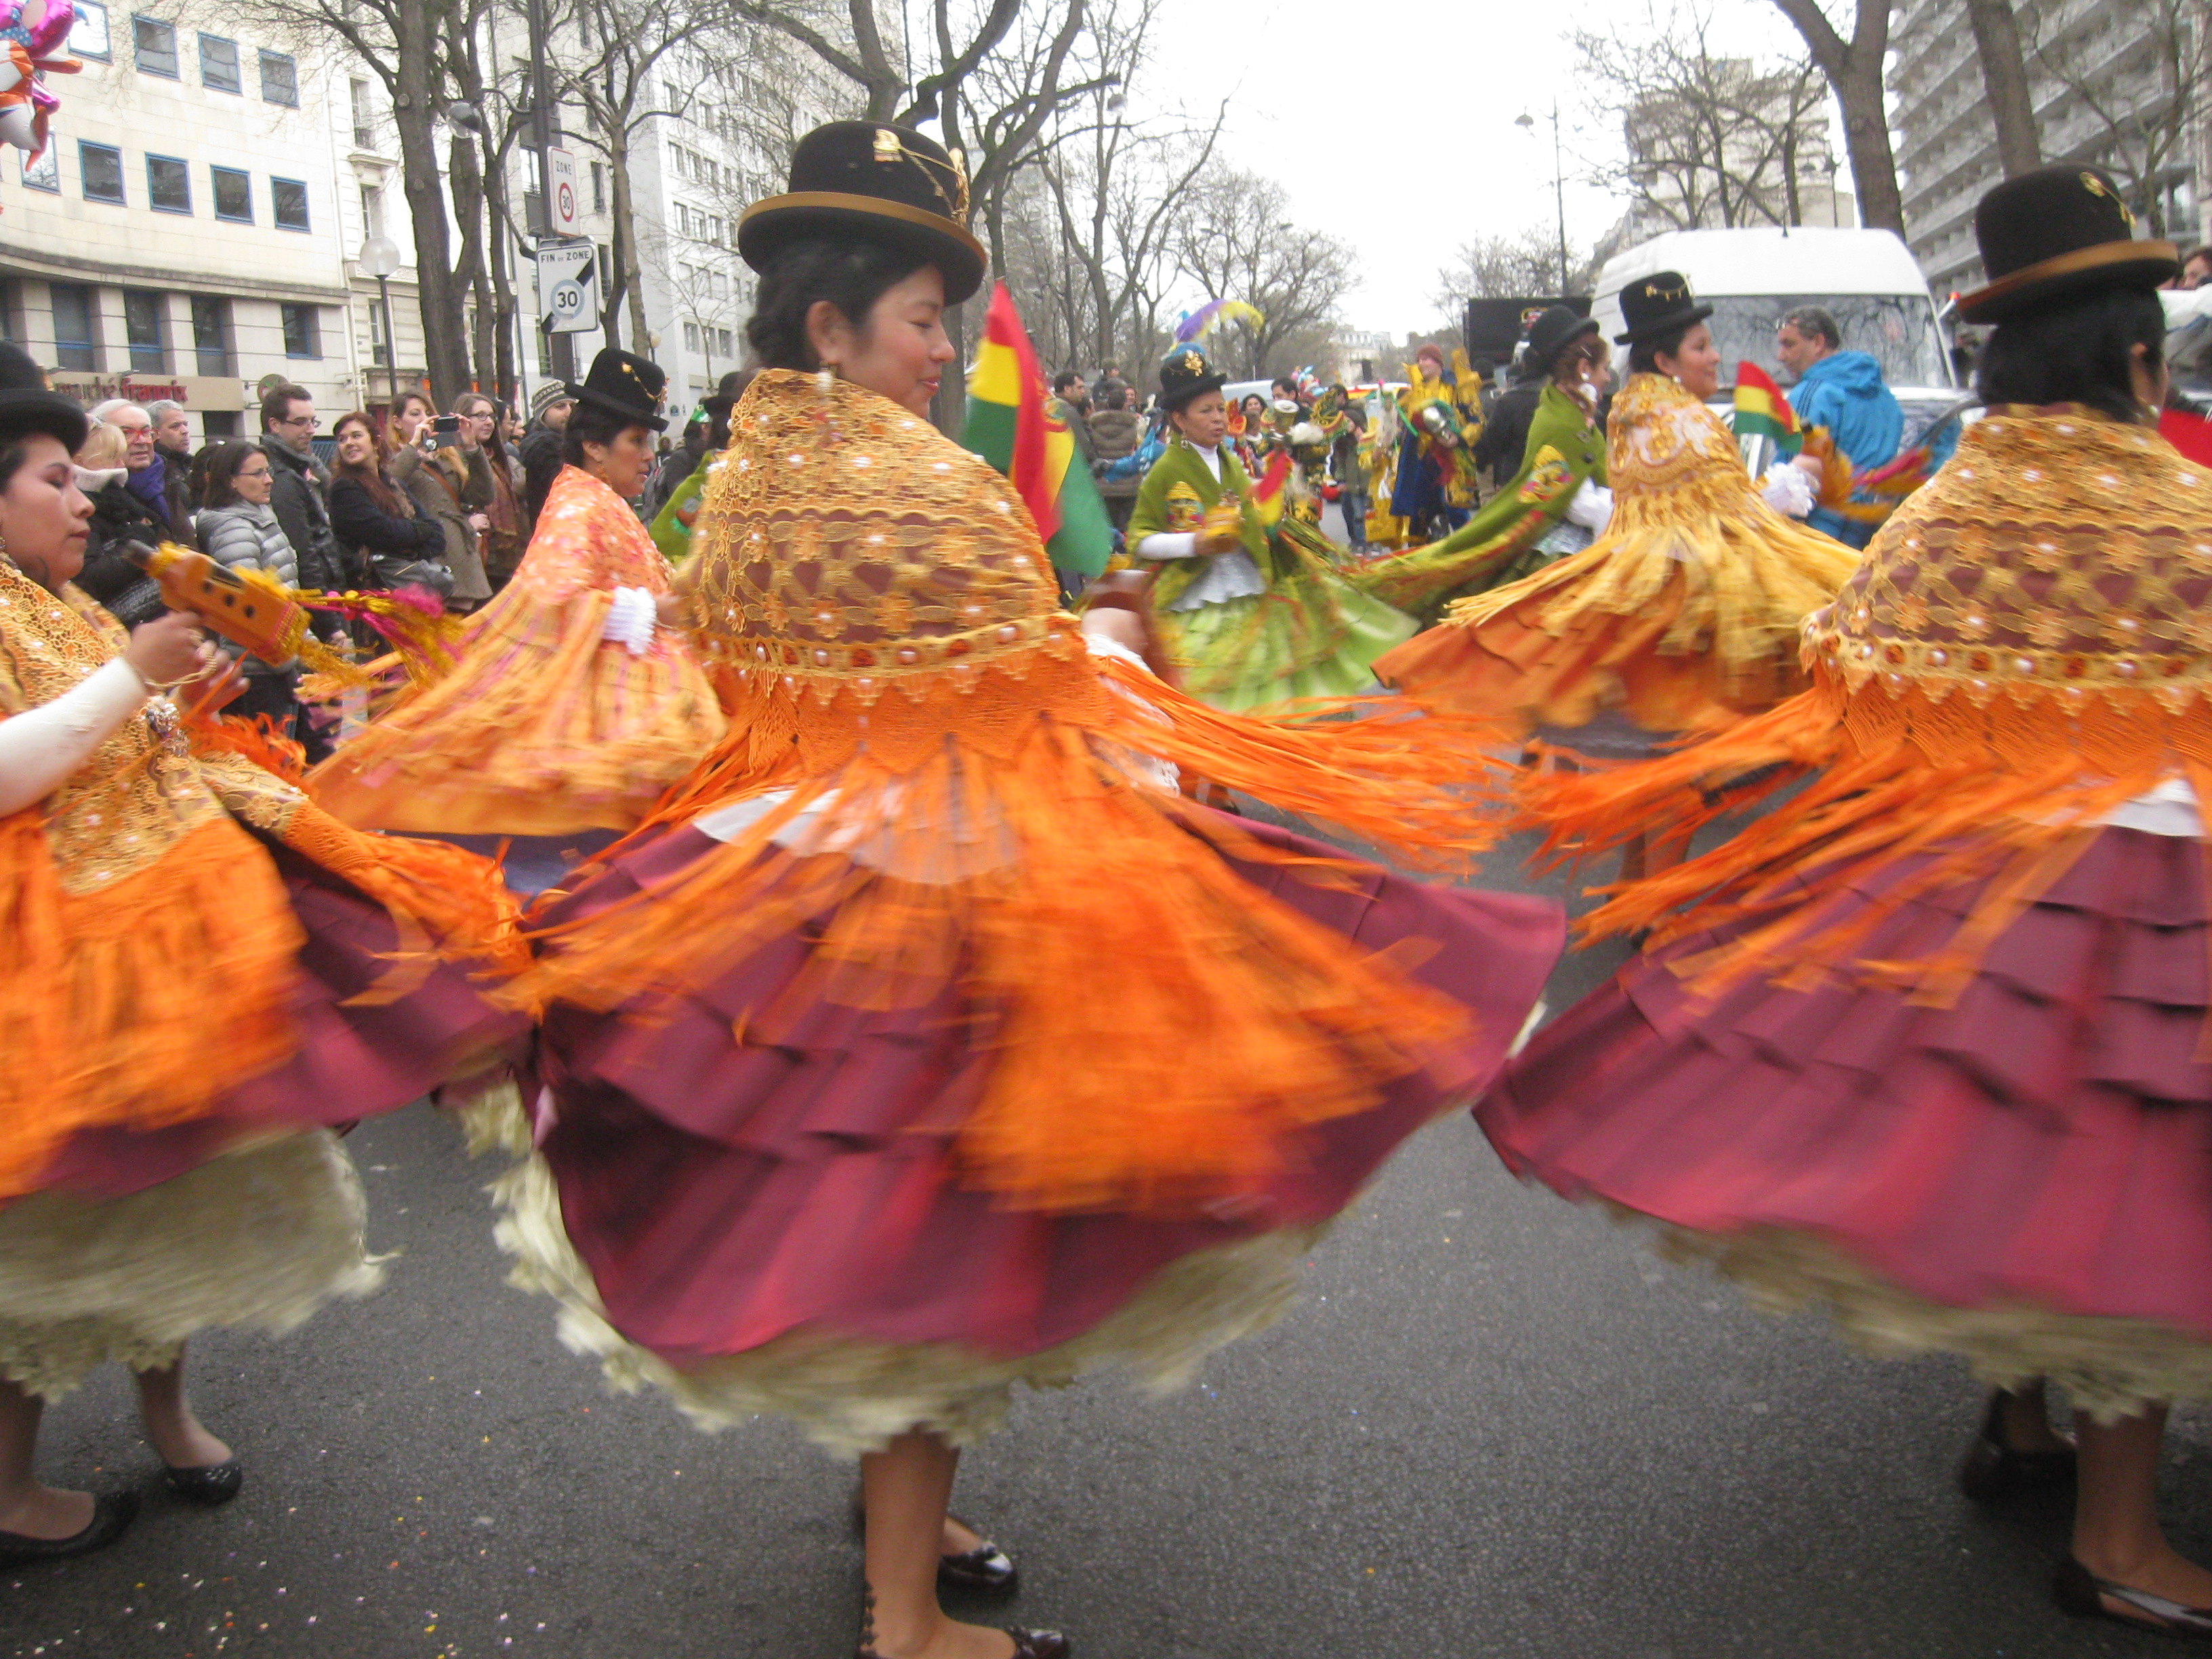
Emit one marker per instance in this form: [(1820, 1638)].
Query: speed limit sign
[(568, 286)]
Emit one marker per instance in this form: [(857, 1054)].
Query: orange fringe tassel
[(139, 1005), (2006, 792)]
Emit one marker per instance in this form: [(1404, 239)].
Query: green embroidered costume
[(1268, 621), (1505, 541)]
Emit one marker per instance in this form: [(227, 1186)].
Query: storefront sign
[(192, 391)]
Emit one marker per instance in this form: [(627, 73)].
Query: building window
[(280, 79), (168, 185), (364, 117), (77, 342), (287, 204), (89, 33), (380, 348), (303, 332), (691, 336), (99, 167), (218, 63), (45, 174), (155, 46), (211, 335), (722, 336), (599, 187), (233, 194), (146, 327), (219, 423), (372, 209)]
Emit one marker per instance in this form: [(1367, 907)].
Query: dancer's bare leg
[(27, 1508), (175, 1434), (906, 1488), (2116, 1531)]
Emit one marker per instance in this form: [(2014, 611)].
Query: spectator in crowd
[(1285, 389), (2195, 270), (118, 516), (239, 529), (404, 418), (439, 479), (148, 470), (678, 464), (173, 442), (541, 445), (1117, 433), (1070, 404), (1108, 378), (1843, 391), (297, 485), (508, 529), (1350, 472), (385, 542)]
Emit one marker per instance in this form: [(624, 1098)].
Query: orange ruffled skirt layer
[(1680, 623), (542, 730)]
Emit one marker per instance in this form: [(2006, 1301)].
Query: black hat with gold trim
[(1187, 371), (2054, 234), (1656, 306), (629, 386), (872, 180)]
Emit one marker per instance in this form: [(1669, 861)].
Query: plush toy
[(31, 31)]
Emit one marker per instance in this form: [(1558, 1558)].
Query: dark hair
[(277, 403), (2081, 351), (1585, 347), (1065, 378), (370, 478), (589, 424), (850, 275), (1814, 319), (221, 489), (14, 452), (1644, 357)]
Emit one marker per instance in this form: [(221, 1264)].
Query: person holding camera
[(384, 542), (430, 462)]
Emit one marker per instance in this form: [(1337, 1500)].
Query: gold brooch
[(2097, 186)]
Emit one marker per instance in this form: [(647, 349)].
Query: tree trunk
[(1866, 141), (444, 344), (2004, 81), (627, 289)]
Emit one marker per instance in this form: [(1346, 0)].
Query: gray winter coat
[(240, 536)]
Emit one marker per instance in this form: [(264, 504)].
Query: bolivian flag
[(1008, 426), (1761, 412)]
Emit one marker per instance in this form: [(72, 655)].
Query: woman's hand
[(480, 522), (223, 685), (672, 610), (168, 650)]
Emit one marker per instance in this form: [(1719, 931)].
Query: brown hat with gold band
[(885, 183), (2053, 234)]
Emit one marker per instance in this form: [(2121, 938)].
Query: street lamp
[(379, 258), (1527, 123)]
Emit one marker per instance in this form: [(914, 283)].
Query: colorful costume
[(1436, 486), (927, 1041), (201, 967), (1684, 613), (1512, 536), (546, 726)]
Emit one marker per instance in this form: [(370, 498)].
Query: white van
[(1868, 280)]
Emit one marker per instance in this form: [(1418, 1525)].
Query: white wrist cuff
[(630, 620)]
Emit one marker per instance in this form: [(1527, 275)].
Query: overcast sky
[(1326, 100)]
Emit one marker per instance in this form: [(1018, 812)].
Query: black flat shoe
[(1991, 1471), (986, 1569), (2080, 1592), (1028, 1644), (215, 1483), (112, 1512)]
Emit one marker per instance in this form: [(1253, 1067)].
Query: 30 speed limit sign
[(568, 286)]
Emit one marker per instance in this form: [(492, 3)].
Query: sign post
[(568, 286)]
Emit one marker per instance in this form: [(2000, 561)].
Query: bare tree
[(2144, 105), (1524, 263), (1854, 68), (1238, 243), (2004, 83)]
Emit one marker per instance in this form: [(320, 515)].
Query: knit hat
[(546, 395)]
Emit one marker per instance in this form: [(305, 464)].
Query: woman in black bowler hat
[(1928, 1047), (927, 1041)]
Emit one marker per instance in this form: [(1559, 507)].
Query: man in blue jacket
[(1842, 391)]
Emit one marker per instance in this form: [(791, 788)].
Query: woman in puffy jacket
[(238, 529)]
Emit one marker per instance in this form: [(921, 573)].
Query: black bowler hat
[(26, 405), (871, 180), (624, 384), (1554, 330), (2054, 234), (1656, 306), (1186, 373), (730, 387)]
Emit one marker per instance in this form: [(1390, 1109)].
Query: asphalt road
[(1496, 1426)]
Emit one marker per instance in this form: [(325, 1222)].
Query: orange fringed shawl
[(1684, 613), (2027, 646), (541, 728), (149, 940), (946, 796)]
